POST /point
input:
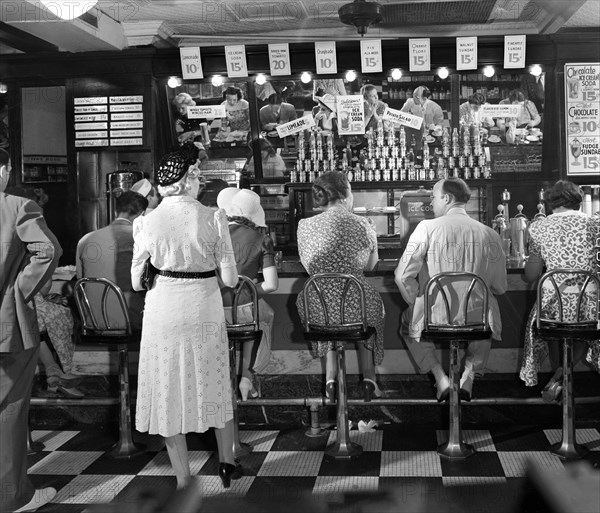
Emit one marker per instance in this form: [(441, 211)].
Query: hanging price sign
[(466, 53), (419, 54), (403, 118), (326, 58), (279, 59), (191, 67), (371, 61), (514, 51), (235, 56)]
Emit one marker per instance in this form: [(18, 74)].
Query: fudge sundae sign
[(582, 103)]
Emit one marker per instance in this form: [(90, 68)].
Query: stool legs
[(454, 448), (125, 447), (239, 448), (568, 448), (342, 448)]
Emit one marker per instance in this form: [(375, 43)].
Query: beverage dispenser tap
[(501, 226), (519, 234), (541, 214)]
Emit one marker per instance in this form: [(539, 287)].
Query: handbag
[(148, 274)]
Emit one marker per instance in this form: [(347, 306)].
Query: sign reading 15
[(419, 60), (514, 56), (589, 96), (590, 161), (235, 66), (466, 58), (370, 62)]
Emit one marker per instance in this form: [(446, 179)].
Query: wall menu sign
[(95, 127), (582, 118)]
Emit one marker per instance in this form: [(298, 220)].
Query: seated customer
[(107, 253), (338, 241), (253, 254), (566, 239), (451, 242)]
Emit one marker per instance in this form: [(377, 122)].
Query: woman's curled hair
[(564, 194), (330, 187)]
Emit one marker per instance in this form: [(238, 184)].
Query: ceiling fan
[(361, 14)]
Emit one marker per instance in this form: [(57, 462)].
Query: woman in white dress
[(183, 379)]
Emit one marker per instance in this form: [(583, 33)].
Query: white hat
[(224, 198), (328, 100), (142, 187), (247, 204)]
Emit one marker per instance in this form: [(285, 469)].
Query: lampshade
[(68, 9)]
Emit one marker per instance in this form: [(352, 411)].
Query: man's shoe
[(443, 390), (41, 497)]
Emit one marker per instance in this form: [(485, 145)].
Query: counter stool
[(97, 328), (578, 284), (454, 332), (321, 328), (240, 333)]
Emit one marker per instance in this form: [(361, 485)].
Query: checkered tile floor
[(285, 465)]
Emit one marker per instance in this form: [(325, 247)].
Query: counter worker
[(529, 116), (146, 189), (453, 241), (187, 130), (421, 105), (237, 109), (469, 113)]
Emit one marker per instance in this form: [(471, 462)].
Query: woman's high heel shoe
[(552, 390), (330, 388), (227, 472), (56, 386), (246, 387), (370, 389)]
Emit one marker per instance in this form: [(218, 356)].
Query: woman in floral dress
[(338, 241), (565, 239)]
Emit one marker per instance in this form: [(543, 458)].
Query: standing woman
[(566, 239), (338, 241), (184, 383)]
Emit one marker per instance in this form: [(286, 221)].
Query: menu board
[(108, 121), (582, 118)]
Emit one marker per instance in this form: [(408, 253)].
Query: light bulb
[(489, 71), (443, 73), (261, 78), (305, 77), (350, 76), (396, 74), (535, 70), (174, 82), (68, 9), (217, 81)]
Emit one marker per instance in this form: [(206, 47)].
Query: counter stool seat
[(452, 332), (569, 331), (315, 330)]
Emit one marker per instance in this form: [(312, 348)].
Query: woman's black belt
[(188, 276)]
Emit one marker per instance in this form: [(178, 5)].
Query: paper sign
[(325, 57), (91, 108), (91, 135), (126, 124), (91, 126), (297, 125), (371, 60), (501, 111), (91, 143), (125, 142), (466, 53), (206, 111), (514, 51), (351, 115), (91, 117), (235, 55), (126, 99), (279, 59), (419, 54), (191, 66), (90, 100), (403, 118)]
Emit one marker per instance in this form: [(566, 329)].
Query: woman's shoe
[(370, 389), (57, 386), (227, 472), (552, 390), (330, 388), (246, 387)]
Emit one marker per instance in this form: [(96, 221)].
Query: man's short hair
[(457, 188), (131, 203), (275, 99)]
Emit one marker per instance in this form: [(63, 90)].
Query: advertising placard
[(371, 60), (403, 118), (501, 111), (206, 111), (325, 57), (279, 59), (191, 66), (514, 51), (419, 57), (351, 114), (466, 53), (582, 118), (297, 125), (235, 55)]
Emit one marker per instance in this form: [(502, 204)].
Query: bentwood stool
[(240, 332), (568, 325), (94, 297), (453, 330), (323, 323)]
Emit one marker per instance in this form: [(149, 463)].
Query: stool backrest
[(244, 283), (471, 299), (100, 314), (334, 292), (568, 297)]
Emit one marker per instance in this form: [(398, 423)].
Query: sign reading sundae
[(582, 104), (351, 115)]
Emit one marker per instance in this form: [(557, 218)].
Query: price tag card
[(500, 111), (419, 54), (297, 125), (514, 51), (326, 58), (235, 56), (403, 118), (351, 114), (191, 67), (206, 111), (371, 60), (279, 59), (466, 53)]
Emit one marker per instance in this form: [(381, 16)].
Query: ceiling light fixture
[(217, 81), (350, 76), (535, 70), (305, 77), (261, 79), (396, 73), (174, 82), (68, 9), (361, 14), (443, 73), (489, 71)]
